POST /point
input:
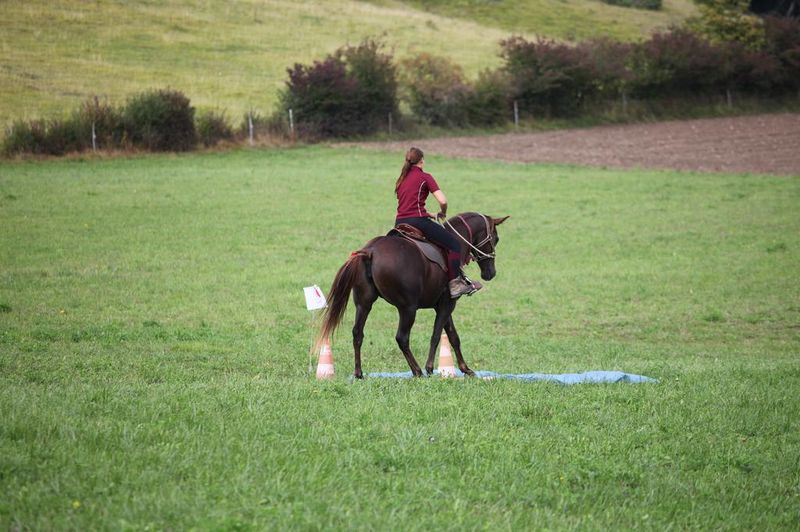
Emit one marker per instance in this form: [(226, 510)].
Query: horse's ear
[(498, 221)]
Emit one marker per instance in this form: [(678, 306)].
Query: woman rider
[(412, 189)]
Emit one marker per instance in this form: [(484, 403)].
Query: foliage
[(322, 99), (438, 93), (71, 134), (746, 70), (489, 101), (547, 77), (25, 137), (725, 21), (436, 90), (376, 81), (676, 62), (351, 92), (610, 66), (213, 127), (782, 37), (160, 120), (779, 8), (275, 125), (107, 122)]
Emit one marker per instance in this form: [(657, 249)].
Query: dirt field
[(767, 144)]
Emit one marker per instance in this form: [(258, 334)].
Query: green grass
[(226, 55), (154, 350), (561, 19)]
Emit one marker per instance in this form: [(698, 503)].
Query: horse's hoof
[(468, 372), (358, 375), (429, 371)]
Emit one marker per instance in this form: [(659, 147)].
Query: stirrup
[(463, 287), (473, 285)]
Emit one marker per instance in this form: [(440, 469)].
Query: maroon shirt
[(413, 192)]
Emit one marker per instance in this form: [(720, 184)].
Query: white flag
[(315, 299)]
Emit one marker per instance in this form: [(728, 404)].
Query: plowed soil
[(762, 144)]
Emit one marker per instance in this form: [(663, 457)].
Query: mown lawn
[(154, 350)]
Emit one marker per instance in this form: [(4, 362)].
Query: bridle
[(477, 254)]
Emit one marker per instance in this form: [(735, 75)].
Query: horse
[(393, 268)]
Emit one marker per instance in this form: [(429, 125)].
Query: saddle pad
[(432, 253)]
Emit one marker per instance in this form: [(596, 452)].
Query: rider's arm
[(442, 199)]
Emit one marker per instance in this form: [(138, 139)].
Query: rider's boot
[(462, 285)]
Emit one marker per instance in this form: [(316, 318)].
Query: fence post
[(390, 124), (624, 103), (730, 97), (291, 124), (94, 139), (250, 126), (516, 115)]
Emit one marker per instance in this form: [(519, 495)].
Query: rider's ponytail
[(413, 156)]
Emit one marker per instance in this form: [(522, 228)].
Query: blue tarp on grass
[(564, 378)]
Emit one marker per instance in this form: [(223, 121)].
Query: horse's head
[(480, 233)]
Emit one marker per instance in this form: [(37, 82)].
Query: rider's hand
[(441, 216)]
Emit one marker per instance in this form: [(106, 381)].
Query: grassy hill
[(561, 19), (233, 55)]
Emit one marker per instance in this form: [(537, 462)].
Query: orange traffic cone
[(325, 364), (446, 368)]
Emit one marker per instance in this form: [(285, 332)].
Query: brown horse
[(393, 268)]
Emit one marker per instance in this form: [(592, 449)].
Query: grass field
[(233, 55), (154, 350), (561, 19)]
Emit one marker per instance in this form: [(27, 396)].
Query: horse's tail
[(339, 294)]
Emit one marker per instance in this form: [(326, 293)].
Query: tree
[(723, 21), (782, 8)]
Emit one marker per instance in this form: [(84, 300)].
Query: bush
[(322, 99), (107, 120), (213, 127), (376, 82), (782, 42), (271, 126), (435, 90), (64, 136), (488, 104), (547, 78), (160, 120), (72, 134), (40, 137), (350, 93), (609, 64), (675, 63), (24, 137), (746, 70)]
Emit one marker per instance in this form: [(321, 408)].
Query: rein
[(482, 255)]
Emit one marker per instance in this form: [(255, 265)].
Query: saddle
[(430, 250)]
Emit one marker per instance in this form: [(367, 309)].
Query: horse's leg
[(455, 341), (403, 337), (444, 310), (364, 295)]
